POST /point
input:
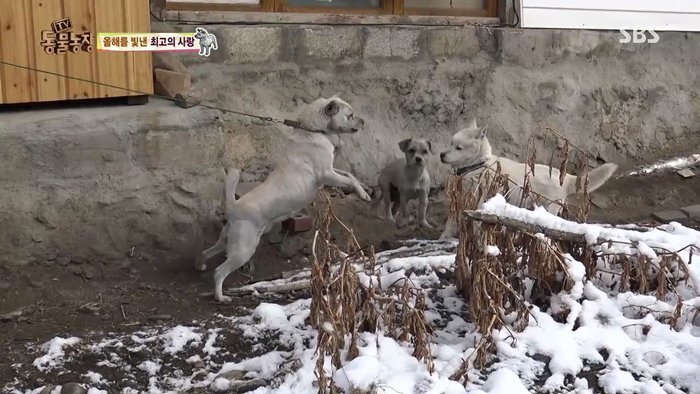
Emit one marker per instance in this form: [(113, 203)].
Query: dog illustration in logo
[(207, 41)]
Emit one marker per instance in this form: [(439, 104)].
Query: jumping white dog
[(470, 155), (293, 185)]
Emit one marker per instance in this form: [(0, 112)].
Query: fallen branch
[(555, 234), (279, 288), (527, 227)]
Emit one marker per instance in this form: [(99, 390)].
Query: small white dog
[(470, 155), (403, 180), (293, 185)]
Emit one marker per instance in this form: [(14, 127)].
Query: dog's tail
[(233, 175), (596, 178)]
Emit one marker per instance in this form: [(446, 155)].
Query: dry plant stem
[(461, 373), (510, 290), (341, 306), (551, 130)]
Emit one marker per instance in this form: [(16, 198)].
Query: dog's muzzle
[(360, 124)]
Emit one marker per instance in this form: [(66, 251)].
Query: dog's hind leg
[(208, 254), (243, 238), (233, 175)]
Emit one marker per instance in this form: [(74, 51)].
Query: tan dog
[(403, 180)]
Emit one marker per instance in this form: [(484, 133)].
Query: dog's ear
[(482, 132), (403, 145), (337, 95), (472, 124), (331, 109), (430, 146)]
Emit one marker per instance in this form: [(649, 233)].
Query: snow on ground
[(611, 342), (676, 163)]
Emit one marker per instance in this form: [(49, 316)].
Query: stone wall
[(93, 183), (621, 102)]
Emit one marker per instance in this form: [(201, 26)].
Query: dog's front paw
[(425, 224), (445, 236), (223, 299), (363, 195)]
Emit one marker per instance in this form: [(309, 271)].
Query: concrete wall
[(92, 184), (619, 101)]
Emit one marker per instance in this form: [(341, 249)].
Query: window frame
[(387, 7)]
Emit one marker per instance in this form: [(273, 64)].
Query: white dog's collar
[(297, 125), (466, 170)]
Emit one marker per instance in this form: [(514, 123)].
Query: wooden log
[(270, 288), (170, 83), (528, 227), (246, 17)]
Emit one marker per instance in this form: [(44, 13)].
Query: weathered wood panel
[(21, 26)]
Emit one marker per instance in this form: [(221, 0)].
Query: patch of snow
[(54, 352), (676, 163), (193, 359), (209, 347), (360, 373), (93, 377), (221, 384), (178, 337), (644, 354), (504, 381), (150, 367), (272, 316), (492, 250)]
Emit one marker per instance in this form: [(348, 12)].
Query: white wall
[(675, 15)]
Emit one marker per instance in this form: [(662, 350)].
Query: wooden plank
[(19, 85), (111, 66), (324, 19), (388, 6), (492, 7), (33, 75), (336, 10), (2, 69), (398, 7), (49, 87), (268, 5), (238, 2), (140, 65), (447, 12), (2, 66), (83, 64), (212, 5)]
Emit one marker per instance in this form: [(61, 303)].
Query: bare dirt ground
[(84, 298)]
